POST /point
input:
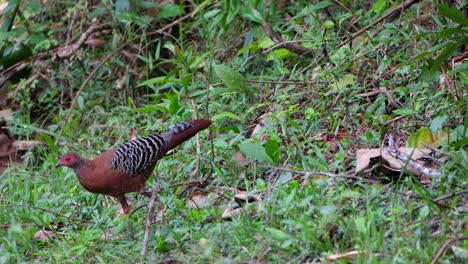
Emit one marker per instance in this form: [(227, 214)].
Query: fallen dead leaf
[(242, 203), (45, 235), (201, 199), (364, 159)]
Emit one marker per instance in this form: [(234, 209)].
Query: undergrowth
[(288, 119)]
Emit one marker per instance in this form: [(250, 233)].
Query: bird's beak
[(58, 164)]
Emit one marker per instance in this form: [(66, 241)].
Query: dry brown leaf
[(45, 235), (240, 203), (201, 199), (363, 157), (399, 165)]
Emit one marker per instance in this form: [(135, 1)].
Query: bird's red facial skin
[(67, 160)]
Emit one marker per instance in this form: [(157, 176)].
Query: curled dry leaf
[(364, 159), (240, 203), (260, 124), (201, 199), (45, 235)]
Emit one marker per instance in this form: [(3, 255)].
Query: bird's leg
[(123, 202)]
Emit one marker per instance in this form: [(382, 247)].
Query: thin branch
[(445, 246), (443, 197), (154, 194)]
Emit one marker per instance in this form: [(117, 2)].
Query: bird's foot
[(126, 211)]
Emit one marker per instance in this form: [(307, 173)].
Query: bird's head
[(71, 160)]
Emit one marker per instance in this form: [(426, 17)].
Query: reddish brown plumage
[(127, 167)]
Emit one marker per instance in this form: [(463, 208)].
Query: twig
[(291, 46), (282, 82), (21, 86), (440, 198), (394, 152), (392, 13), (385, 92), (154, 193), (197, 144), (437, 150), (444, 247)]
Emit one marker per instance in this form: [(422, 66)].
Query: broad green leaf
[(256, 151), (424, 212), (403, 112), (171, 10), (272, 150), (225, 115), (232, 79), (443, 56), (233, 10), (438, 122), (360, 223), (460, 68), (121, 5), (251, 14), (159, 80), (423, 135), (453, 14), (278, 234), (344, 81)]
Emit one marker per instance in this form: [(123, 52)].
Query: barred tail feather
[(179, 133)]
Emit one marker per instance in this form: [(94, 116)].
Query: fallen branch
[(292, 46), (444, 247)]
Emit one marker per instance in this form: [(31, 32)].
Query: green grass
[(221, 62)]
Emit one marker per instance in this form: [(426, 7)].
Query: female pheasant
[(127, 167)]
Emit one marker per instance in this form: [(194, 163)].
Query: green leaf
[(225, 115), (50, 142), (272, 150), (423, 135), (344, 81), (171, 10), (437, 123), (232, 79), (360, 223), (278, 234), (443, 56), (121, 5), (424, 212), (453, 14), (174, 105), (460, 68), (251, 14), (256, 151), (403, 112)]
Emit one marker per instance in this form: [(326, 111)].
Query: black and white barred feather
[(141, 153)]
